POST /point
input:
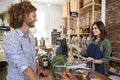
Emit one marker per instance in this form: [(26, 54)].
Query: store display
[(3, 32), (54, 36)]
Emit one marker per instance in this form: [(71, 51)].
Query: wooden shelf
[(89, 7), (113, 69), (66, 17), (80, 26), (73, 28), (84, 27), (117, 60), (110, 72), (73, 34), (85, 33), (79, 34)]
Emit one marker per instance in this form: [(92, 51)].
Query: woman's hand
[(70, 46), (73, 46), (90, 59), (98, 61)]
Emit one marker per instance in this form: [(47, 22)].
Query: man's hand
[(42, 73), (30, 74)]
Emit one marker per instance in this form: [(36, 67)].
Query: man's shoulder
[(11, 35)]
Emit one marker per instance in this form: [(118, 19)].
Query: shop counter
[(97, 76)]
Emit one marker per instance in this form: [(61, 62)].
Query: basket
[(80, 71)]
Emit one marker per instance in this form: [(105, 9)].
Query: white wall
[(4, 4), (53, 17)]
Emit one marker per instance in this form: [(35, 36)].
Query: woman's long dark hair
[(101, 27)]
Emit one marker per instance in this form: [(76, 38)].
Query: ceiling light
[(49, 4)]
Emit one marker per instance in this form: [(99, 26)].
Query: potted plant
[(3, 16)]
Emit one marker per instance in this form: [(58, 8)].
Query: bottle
[(36, 44), (42, 41), (45, 61)]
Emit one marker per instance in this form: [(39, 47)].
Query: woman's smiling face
[(95, 30)]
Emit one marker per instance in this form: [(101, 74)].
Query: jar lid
[(44, 58)]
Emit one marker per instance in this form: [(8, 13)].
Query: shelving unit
[(75, 26), (3, 31), (115, 59), (89, 11), (65, 10), (89, 7), (114, 62), (70, 23), (80, 26), (87, 15)]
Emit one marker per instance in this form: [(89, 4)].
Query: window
[(40, 26)]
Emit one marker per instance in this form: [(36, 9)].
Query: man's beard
[(30, 25)]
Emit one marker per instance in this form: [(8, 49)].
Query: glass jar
[(45, 61)]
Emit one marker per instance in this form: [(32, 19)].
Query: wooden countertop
[(97, 76)]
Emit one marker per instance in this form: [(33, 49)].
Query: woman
[(99, 49)]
